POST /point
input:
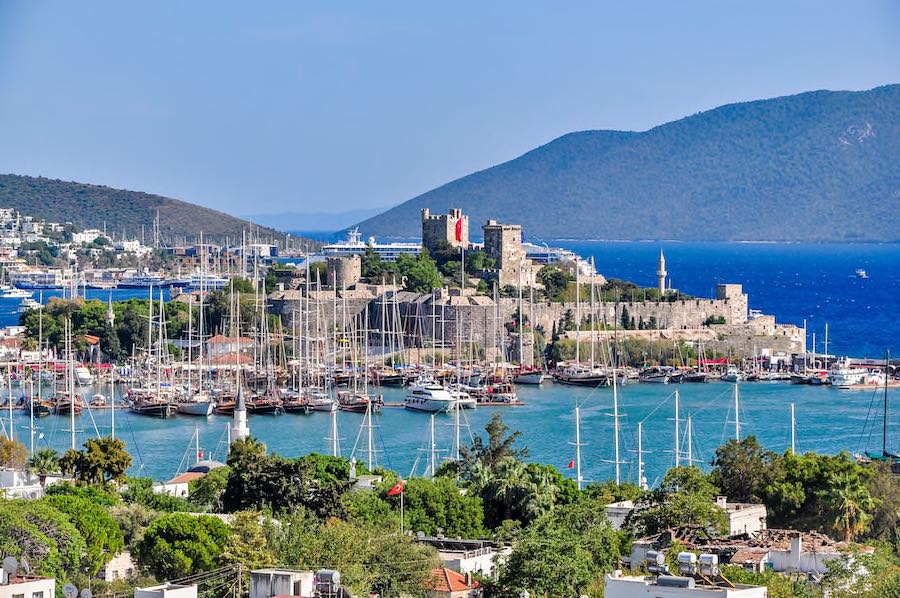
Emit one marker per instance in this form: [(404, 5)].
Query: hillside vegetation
[(90, 206), (818, 166)]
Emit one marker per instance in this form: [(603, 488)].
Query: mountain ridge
[(93, 206), (792, 168)]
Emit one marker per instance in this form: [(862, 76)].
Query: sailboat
[(529, 375), (886, 455)]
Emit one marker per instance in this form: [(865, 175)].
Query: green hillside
[(818, 166), (92, 206)]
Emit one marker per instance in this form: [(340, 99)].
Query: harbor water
[(827, 420), (793, 282)]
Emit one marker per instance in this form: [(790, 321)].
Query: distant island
[(813, 167), (121, 211)]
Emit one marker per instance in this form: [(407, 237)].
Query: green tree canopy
[(100, 531), (177, 545), (103, 460), (686, 496), (741, 468), (564, 553), (13, 454)]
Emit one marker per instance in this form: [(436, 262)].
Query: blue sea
[(793, 282)]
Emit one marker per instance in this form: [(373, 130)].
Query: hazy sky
[(259, 107)]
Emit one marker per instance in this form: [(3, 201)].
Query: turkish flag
[(459, 230), (199, 454), (396, 489), (572, 464)]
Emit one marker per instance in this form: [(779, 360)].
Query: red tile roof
[(188, 476), (448, 580)]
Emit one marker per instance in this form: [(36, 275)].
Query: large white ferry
[(388, 252)]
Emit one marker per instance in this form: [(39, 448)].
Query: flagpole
[(401, 507)]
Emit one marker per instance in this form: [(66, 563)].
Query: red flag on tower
[(459, 230), (396, 489), (572, 464)]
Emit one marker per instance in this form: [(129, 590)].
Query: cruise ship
[(388, 252), (552, 256)]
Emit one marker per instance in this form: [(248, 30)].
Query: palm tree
[(43, 462), (852, 503)]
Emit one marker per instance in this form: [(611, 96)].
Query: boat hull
[(202, 409)]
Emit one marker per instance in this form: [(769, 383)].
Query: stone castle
[(440, 318)]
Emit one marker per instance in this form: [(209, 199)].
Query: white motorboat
[(732, 374), (844, 375), (529, 376), (462, 398), (83, 376), (427, 395), (320, 401), (199, 404), (860, 273), (13, 293)]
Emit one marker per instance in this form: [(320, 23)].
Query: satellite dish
[(10, 565), (70, 591), (86, 593)]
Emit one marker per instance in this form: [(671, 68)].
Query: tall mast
[(593, 325), (737, 416), (884, 424), (578, 445), (690, 449), (793, 431), (521, 326), (677, 434), (577, 313), (370, 446), (456, 411), (616, 425), (642, 482), (335, 442), (432, 451), (531, 324), (70, 375)]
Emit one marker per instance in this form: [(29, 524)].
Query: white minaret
[(661, 273), (239, 427), (110, 314)]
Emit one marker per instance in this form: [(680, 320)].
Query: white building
[(120, 566), (468, 556), (18, 483), (618, 585), (618, 512), (87, 236), (743, 518), (267, 583), (167, 590), (28, 586)]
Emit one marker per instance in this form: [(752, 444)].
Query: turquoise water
[(828, 420), (815, 282)]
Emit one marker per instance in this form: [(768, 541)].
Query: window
[(37, 595), (18, 596)]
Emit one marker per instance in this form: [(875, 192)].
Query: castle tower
[(661, 273), (239, 427)]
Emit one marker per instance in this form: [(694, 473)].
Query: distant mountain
[(92, 206), (818, 166), (314, 221)]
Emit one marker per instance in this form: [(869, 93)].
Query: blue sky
[(265, 107)]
